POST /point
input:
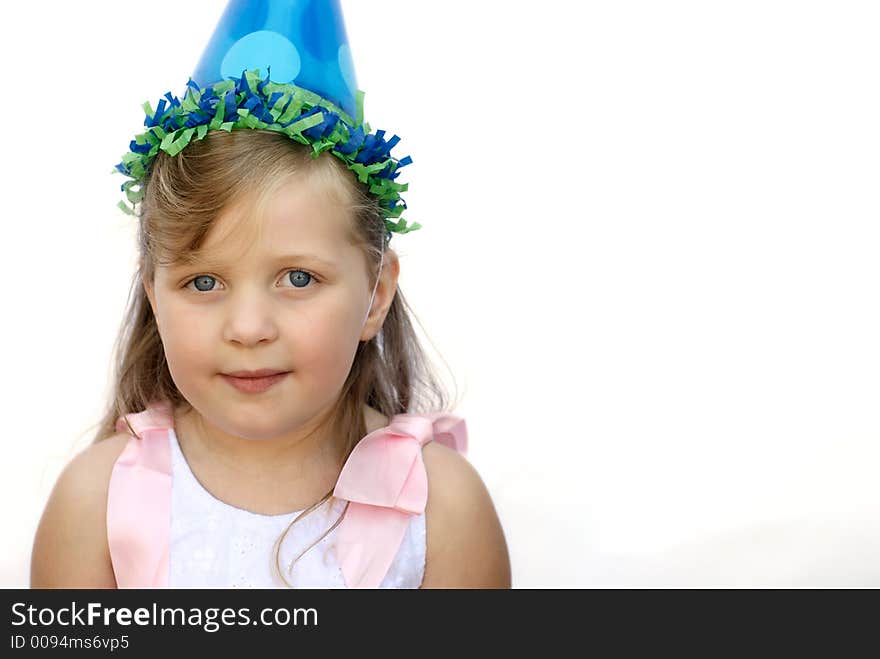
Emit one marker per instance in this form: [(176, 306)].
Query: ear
[(151, 295), (385, 292)]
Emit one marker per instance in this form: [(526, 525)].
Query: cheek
[(319, 340), (185, 341), (323, 342)]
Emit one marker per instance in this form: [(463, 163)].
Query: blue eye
[(300, 278), (206, 283), (206, 280)]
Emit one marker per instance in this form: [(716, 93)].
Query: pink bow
[(384, 480)]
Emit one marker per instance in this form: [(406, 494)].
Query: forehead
[(297, 217)]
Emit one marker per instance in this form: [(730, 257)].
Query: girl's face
[(291, 298)]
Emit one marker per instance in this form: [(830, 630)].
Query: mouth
[(260, 373), (255, 384)]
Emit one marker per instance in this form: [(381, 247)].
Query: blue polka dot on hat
[(303, 41)]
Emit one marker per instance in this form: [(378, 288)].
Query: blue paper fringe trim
[(249, 102)]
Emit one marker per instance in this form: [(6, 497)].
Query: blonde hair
[(183, 195)]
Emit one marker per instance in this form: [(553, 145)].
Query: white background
[(649, 257)]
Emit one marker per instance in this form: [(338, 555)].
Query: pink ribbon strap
[(385, 481), (139, 501)]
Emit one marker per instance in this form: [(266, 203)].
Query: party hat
[(303, 41), (284, 66)]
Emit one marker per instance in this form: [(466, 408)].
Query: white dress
[(216, 545)]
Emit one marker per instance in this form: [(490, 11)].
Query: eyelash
[(314, 279)]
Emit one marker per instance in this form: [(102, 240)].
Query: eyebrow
[(219, 263)]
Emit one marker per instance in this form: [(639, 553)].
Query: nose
[(250, 319)]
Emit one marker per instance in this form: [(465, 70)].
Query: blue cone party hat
[(303, 41), (279, 65)]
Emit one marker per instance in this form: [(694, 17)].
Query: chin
[(252, 423), (260, 422)]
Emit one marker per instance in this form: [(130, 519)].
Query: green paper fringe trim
[(261, 104)]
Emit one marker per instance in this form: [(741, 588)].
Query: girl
[(272, 411)]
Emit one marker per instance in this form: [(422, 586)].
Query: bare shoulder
[(70, 546), (466, 547)]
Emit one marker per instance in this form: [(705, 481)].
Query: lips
[(259, 373), (255, 385)]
